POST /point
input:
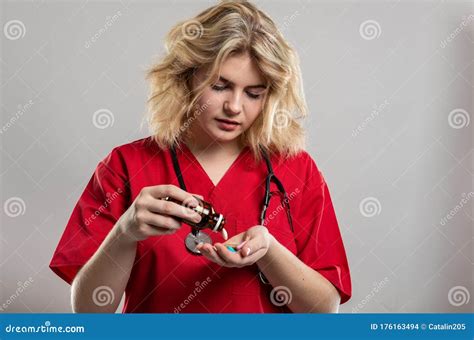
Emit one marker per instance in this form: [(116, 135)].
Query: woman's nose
[(233, 105)]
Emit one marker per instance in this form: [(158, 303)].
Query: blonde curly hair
[(229, 28)]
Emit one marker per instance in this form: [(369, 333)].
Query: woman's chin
[(224, 136)]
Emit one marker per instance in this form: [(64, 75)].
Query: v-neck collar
[(193, 159)]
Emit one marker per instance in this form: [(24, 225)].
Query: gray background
[(408, 159)]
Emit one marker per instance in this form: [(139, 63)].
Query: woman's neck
[(210, 148)]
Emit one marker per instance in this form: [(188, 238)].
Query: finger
[(252, 245), (160, 191), (252, 258), (150, 230), (227, 256), (236, 240), (212, 256), (235, 245), (200, 197), (162, 231), (173, 209), (247, 238), (160, 221), (208, 251)]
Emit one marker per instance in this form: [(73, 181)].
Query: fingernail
[(214, 248), (248, 252), (241, 245)]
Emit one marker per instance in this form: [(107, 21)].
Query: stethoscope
[(196, 235)]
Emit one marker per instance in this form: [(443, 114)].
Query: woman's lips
[(226, 125)]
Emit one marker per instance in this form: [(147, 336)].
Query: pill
[(231, 249)]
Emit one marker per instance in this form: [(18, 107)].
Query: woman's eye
[(253, 95), (218, 87)]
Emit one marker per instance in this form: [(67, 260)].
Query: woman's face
[(229, 107)]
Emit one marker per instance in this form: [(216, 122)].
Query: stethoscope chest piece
[(192, 240)]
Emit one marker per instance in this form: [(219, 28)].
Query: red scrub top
[(165, 277)]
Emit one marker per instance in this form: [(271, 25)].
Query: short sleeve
[(101, 204), (318, 238)]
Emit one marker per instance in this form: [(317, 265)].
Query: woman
[(227, 94)]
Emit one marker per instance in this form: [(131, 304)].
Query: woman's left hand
[(254, 244)]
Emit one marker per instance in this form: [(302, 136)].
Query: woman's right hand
[(150, 215)]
